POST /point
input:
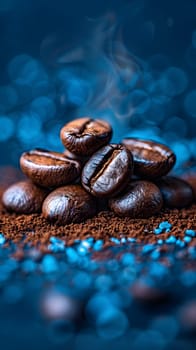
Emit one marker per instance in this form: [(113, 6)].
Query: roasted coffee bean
[(24, 198), (49, 169), (151, 159), (191, 179), (176, 192), (69, 204), (84, 136), (140, 199), (108, 171)]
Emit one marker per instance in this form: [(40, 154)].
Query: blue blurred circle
[(6, 127), (182, 152), (137, 102), (8, 98), (29, 128), (23, 67), (25, 71), (44, 107), (111, 323), (166, 325), (157, 94), (190, 103), (176, 125), (173, 81), (74, 87), (156, 113), (52, 137)]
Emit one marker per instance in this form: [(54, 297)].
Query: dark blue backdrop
[(131, 62)]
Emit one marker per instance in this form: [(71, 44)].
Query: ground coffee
[(36, 230)]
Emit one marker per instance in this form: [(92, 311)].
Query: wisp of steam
[(100, 78)]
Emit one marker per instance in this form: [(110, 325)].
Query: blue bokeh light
[(24, 67), (44, 107), (137, 102), (8, 98), (111, 323), (181, 150), (176, 124), (174, 81), (190, 103), (29, 128), (6, 127)]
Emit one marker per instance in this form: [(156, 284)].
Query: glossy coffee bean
[(69, 204), (151, 159), (84, 136), (108, 171), (140, 199), (191, 179), (176, 192), (24, 198), (49, 169)]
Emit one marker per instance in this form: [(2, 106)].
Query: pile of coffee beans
[(92, 174)]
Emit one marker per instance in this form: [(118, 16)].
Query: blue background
[(132, 63)]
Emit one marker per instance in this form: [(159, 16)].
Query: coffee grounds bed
[(107, 282), (34, 229)]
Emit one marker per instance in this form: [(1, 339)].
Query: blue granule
[(148, 248), (56, 245), (160, 241), (93, 289), (164, 226), (188, 278), (82, 250), (72, 255), (171, 240), (115, 240), (131, 240), (157, 269), (155, 254), (123, 240), (187, 239), (128, 259), (157, 231), (98, 245), (192, 252), (90, 240), (190, 233), (49, 264), (2, 239), (180, 243), (28, 265)]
